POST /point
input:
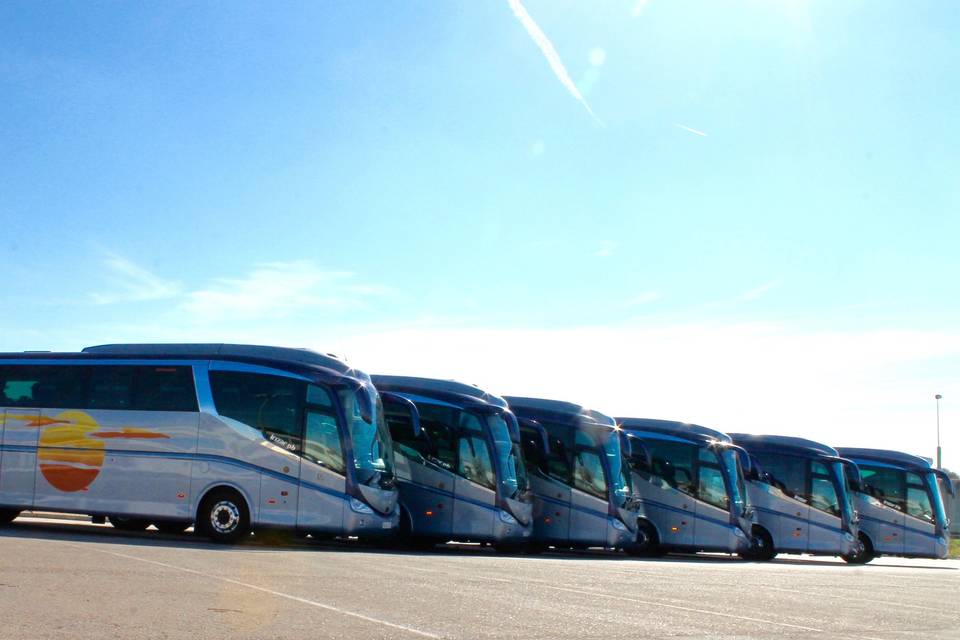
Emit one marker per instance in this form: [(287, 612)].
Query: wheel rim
[(224, 517)]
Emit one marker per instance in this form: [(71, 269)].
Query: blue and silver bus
[(460, 470), (228, 438), (578, 472), (798, 492), (900, 505), (692, 486)]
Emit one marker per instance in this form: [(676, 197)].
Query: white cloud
[(278, 289), (757, 292), (550, 53), (133, 283), (692, 130), (638, 8)]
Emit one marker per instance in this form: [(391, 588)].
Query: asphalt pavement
[(68, 579)]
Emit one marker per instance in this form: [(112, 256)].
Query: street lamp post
[(937, 398)]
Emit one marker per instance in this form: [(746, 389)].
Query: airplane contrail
[(550, 53), (696, 131)]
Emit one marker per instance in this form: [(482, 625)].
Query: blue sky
[(739, 213)]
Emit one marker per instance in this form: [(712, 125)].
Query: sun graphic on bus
[(71, 448)]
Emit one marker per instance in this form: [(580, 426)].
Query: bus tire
[(223, 516), (172, 526), (863, 554), (647, 543), (762, 549), (8, 515), (128, 524)]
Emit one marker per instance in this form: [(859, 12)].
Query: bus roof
[(783, 444), (447, 390), (532, 407), (277, 357), (887, 456), (687, 430)]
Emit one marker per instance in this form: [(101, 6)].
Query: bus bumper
[(371, 525), (618, 535), (506, 528), (942, 547), (738, 541)]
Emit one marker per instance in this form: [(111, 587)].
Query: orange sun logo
[(70, 451)]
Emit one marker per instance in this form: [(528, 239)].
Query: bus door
[(21, 428), (475, 485), (713, 503), (920, 530), (826, 528), (589, 499), (322, 470)]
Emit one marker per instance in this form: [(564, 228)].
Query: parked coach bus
[(581, 486), (461, 474), (692, 487), (799, 494), (226, 437), (900, 505)]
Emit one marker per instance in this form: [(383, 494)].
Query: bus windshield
[(839, 471), (619, 475), (734, 473), (372, 447), (513, 473), (933, 488)]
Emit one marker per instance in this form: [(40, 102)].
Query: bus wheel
[(762, 549), (128, 524), (647, 543), (863, 553), (172, 526), (7, 516), (223, 516)]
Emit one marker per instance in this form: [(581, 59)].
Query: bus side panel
[(670, 510), (321, 498), (825, 534), (767, 502), (428, 497), (551, 510), (20, 432), (232, 453), (713, 529), (473, 510), (117, 462), (588, 519), (919, 537), (882, 524)]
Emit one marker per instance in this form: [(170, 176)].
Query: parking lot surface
[(66, 579)]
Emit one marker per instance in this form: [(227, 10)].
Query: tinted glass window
[(884, 484), (474, 462), (438, 422), (321, 440), (823, 493), (111, 388), (559, 463), (673, 462), (164, 389), (787, 473), (271, 404), (710, 487), (588, 474), (53, 387), (401, 432), (918, 500)]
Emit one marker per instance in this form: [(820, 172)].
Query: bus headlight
[(941, 541), (359, 506), (848, 536), (619, 526), (737, 531), (506, 517)]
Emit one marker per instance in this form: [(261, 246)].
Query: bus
[(460, 471), (799, 494), (582, 495), (900, 504), (692, 485), (227, 438)]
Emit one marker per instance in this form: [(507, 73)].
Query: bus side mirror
[(536, 442), (636, 453), (364, 402)]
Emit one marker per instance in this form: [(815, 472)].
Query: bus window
[(321, 438), (886, 485), (164, 388), (588, 473), (918, 500), (43, 387), (823, 494), (710, 486), (787, 473), (474, 461), (271, 404), (111, 388), (401, 432), (438, 422), (673, 462), (558, 463)]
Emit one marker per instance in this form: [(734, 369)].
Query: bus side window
[(588, 474), (823, 495), (438, 422), (43, 386), (271, 404), (321, 437), (918, 500), (885, 485), (165, 388), (401, 432)]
